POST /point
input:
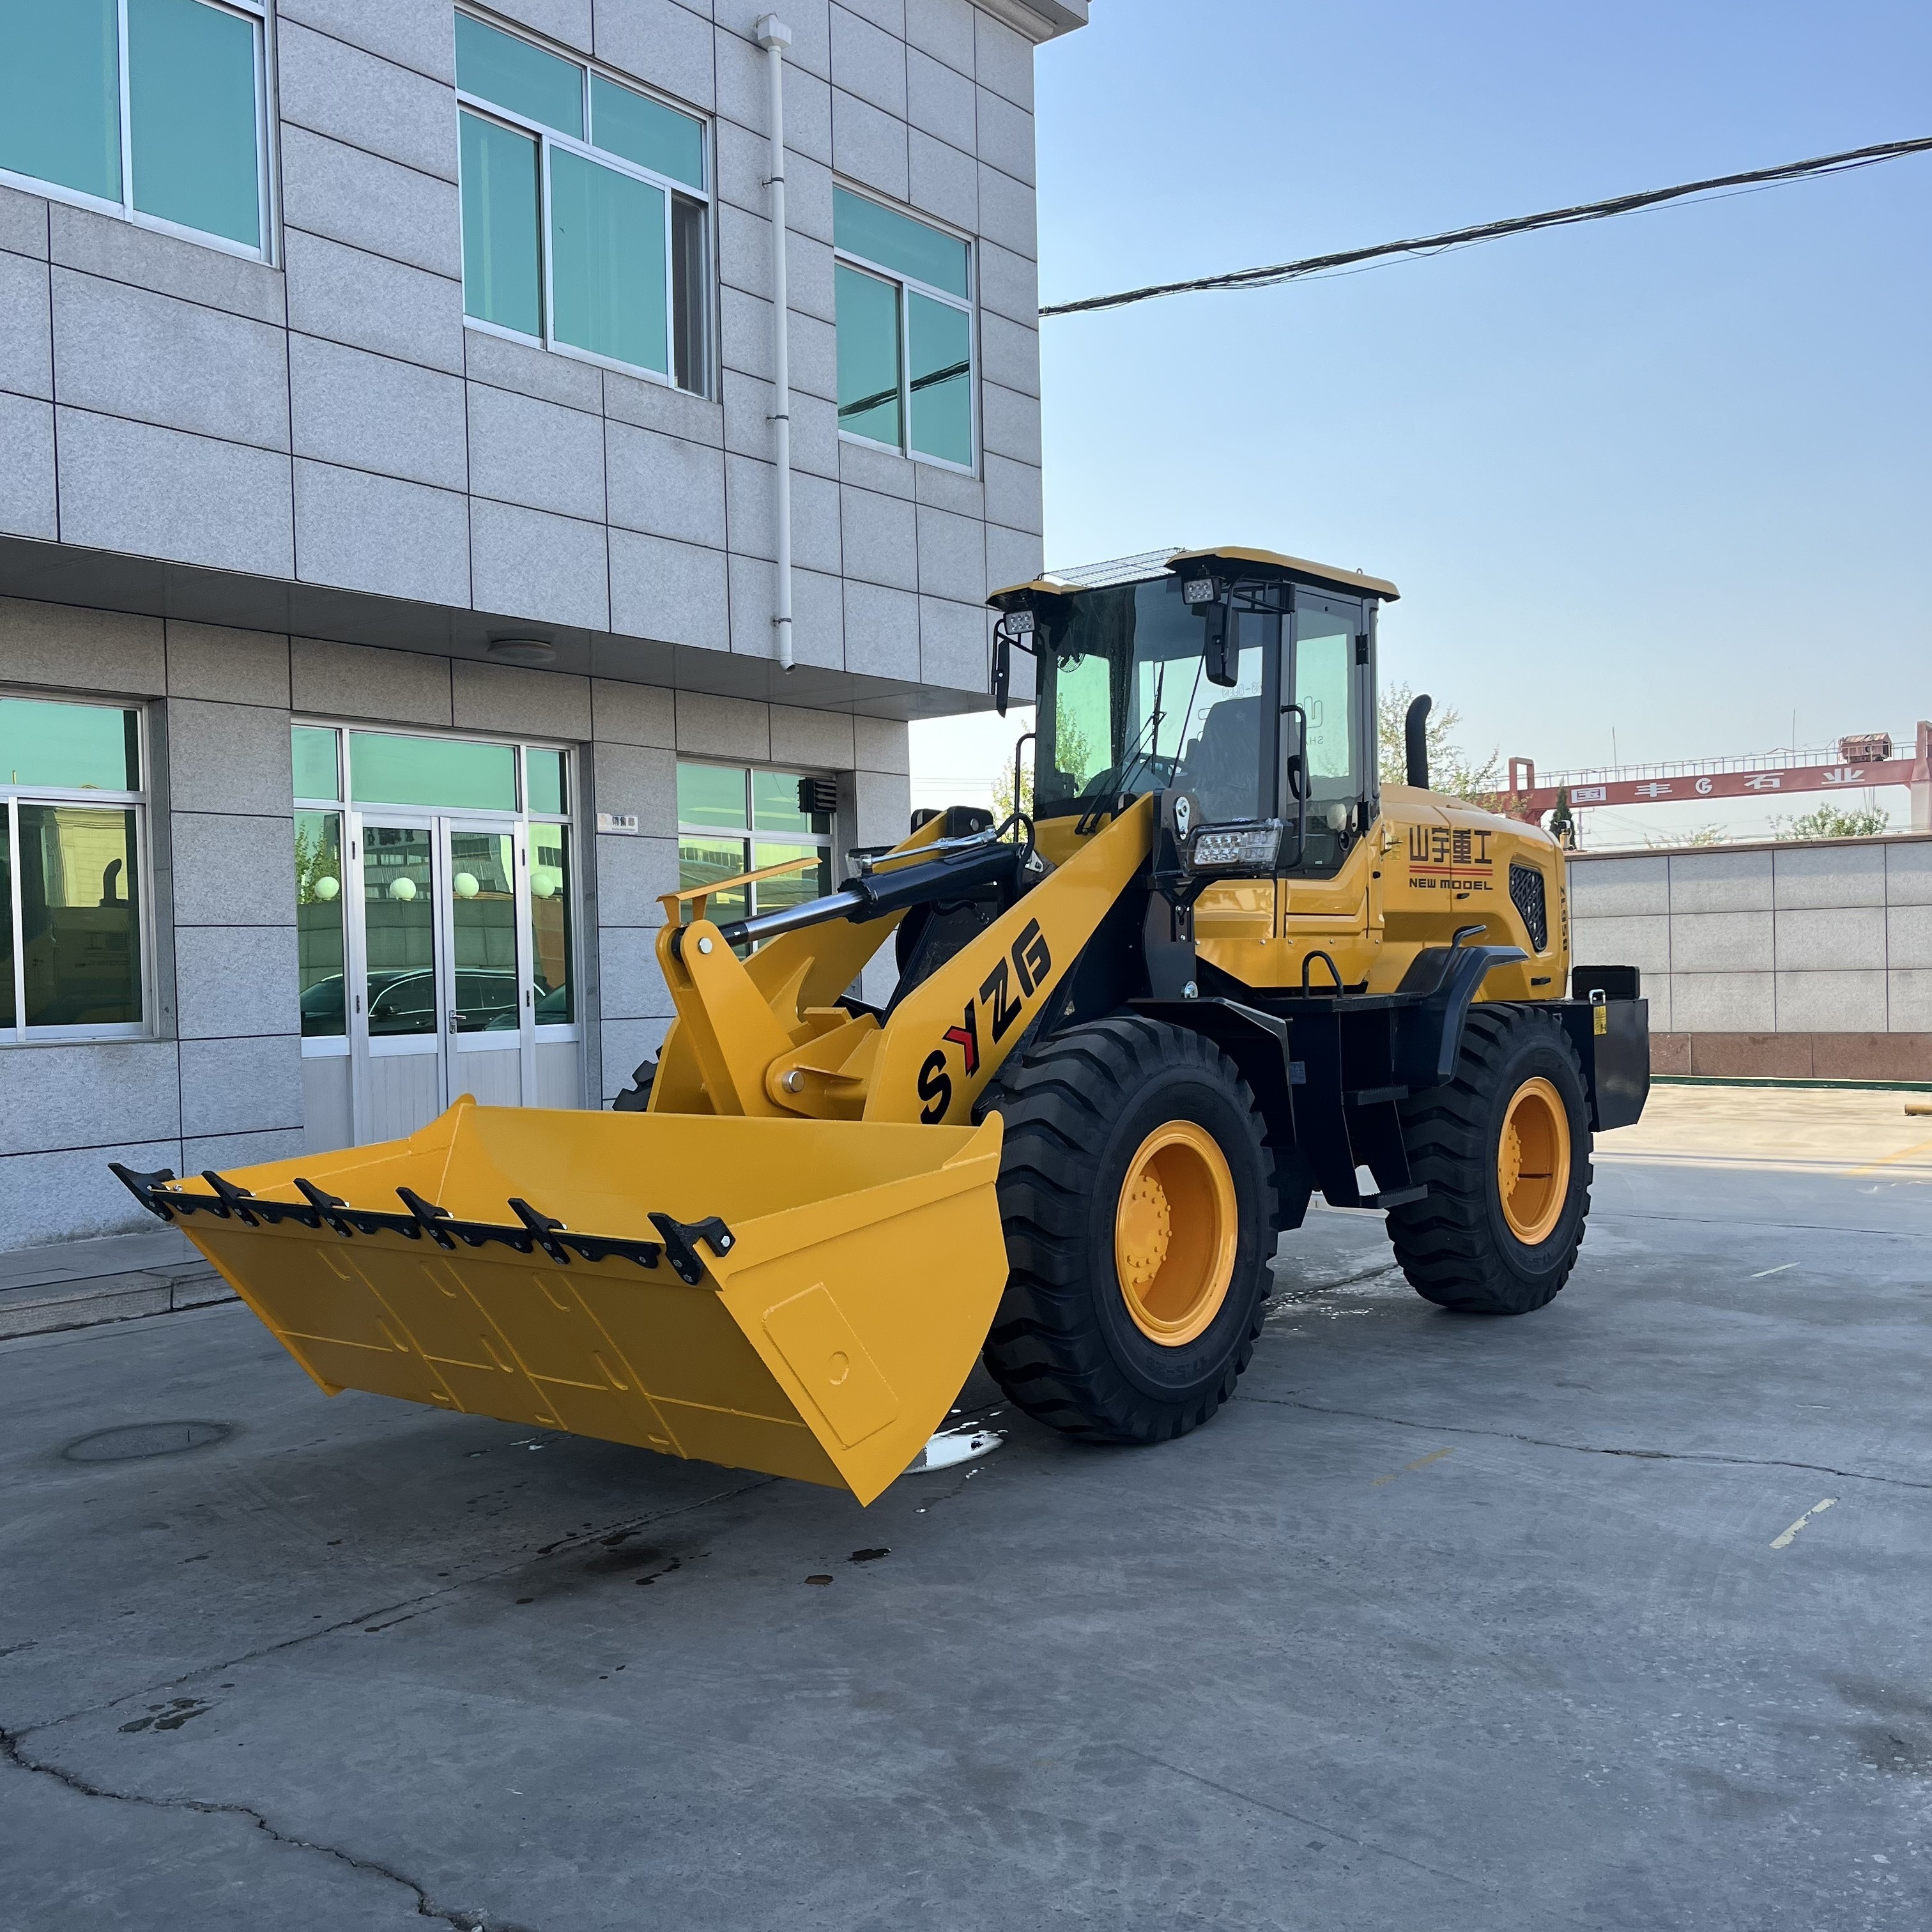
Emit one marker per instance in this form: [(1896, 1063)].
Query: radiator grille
[(1526, 890)]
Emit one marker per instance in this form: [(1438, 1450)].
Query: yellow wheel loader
[(1217, 966)]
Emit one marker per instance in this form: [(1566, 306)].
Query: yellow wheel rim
[(1533, 1161), (1175, 1229)]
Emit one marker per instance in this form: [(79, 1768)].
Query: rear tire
[(1128, 1325), (1499, 1231)]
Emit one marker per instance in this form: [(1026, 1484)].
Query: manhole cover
[(138, 1439)]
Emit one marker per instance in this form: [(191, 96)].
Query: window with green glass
[(585, 209), (60, 93), (194, 158), (80, 925), (69, 747), (623, 122), (9, 1011), (905, 332), (319, 909), (733, 819), (775, 805), (551, 952), (502, 241), (713, 795), (608, 266), (385, 769), (888, 239), (514, 74), (870, 356), (72, 824), (544, 782), (315, 754)]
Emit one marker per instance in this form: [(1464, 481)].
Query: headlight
[(1230, 848), (1019, 623)]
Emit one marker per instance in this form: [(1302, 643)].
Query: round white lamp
[(464, 885), (545, 881), (325, 888), (404, 888)]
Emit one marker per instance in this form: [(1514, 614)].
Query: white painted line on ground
[(1817, 1509), (1779, 1269)]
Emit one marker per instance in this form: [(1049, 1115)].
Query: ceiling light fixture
[(522, 651)]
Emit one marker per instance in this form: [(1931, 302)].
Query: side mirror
[(1220, 658), (1014, 626), (1205, 595)]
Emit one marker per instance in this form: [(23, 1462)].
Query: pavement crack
[(1710, 1457), (426, 1907), (398, 1612)]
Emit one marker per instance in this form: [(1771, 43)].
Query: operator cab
[(1241, 676)]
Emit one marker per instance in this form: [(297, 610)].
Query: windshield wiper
[(1150, 730)]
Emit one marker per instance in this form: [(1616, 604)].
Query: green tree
[(1704, 835), (1451, 769), (316, 857), (1835, 821), (1072, 753)]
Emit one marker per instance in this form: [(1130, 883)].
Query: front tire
[(1505, 1149), (1137, 1198)]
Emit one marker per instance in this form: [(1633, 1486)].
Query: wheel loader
[(1215, 966)]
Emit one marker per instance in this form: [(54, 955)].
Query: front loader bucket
[(804, 1298)]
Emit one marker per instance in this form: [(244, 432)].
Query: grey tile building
[(390, 538)]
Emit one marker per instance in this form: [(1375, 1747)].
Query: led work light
[(1236, 848)]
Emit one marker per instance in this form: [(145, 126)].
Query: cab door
[(1328, 745), (1226, 745)]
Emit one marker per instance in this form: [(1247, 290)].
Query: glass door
[(436, 906), (402, 1007), (488, 1007)]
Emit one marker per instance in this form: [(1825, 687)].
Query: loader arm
[(762, 1037)]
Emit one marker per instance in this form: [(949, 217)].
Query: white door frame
[(449, 1046)]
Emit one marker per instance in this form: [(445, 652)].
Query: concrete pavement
[(1445, 1623)]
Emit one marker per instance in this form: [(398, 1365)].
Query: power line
[(1488, 231)]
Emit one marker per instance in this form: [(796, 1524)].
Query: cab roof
[(1227, 560), (1296, 569)]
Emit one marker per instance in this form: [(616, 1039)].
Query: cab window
[(1328, 689), (1217, 731)]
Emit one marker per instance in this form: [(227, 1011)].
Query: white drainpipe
[(774, 36)]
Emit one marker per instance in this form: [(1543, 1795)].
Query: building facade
[(390, 532)]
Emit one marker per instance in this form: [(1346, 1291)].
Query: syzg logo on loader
[(1031, 962)]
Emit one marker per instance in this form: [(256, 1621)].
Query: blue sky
[(1667, 475)]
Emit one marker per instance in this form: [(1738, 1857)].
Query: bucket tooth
[(323, 1204), (681, 1243), (542, 1226), (426, 1214)]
